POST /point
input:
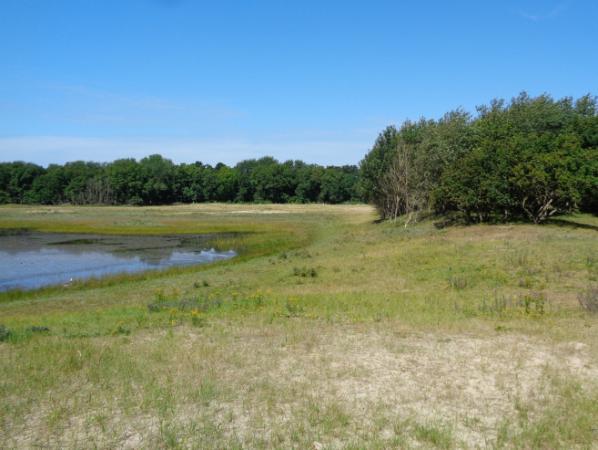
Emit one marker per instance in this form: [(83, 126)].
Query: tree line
[(527, 159), (156, 180)]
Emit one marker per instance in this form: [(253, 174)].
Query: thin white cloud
[(80, 103), (539, 17), (139, 101), (59, 149)]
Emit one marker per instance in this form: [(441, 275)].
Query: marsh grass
[(246, 354)]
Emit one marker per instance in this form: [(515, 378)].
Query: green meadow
[(329, 330)]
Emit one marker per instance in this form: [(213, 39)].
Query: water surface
[(30, 260)]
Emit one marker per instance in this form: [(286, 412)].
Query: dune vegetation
[(330, 330)]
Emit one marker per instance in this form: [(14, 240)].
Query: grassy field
[(330, 331)]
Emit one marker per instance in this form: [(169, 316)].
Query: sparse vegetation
[(305, 272), (589, 299), (406, 337)]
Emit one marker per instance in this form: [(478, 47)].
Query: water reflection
[(30, 260)]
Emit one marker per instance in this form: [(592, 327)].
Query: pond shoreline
[(31, 259)]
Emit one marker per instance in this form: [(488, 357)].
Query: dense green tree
[(17, 179), (309, 182), (124, 176), (376, 163), (5, 176), (227, 183), (339, 184), (79, 177), (48, 188), (525, 160), (156, 180), (157, 176)]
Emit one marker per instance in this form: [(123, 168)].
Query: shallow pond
[(30, 260)]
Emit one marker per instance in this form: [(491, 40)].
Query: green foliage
[(525, 160), (16, 180), (384, 302), (198, 284), (38, 329), (305, 272), (376, 162), (155, 180), (191, 304), (437, 436), (4, 333)]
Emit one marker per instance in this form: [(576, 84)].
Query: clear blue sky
[(313, 80)]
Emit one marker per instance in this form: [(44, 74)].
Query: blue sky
[(312, 80)]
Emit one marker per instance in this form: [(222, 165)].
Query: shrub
[(305, 272), (250, 302), (293, 308), (4, 333), (197, 319), (458, 282), (38, 329), (531, 304), (190, 304), (534, 303), (121, 330)]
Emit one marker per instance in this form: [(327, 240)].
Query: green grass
[(329, 331)]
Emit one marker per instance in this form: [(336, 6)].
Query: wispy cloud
[(541, 16), (84, 104), (167, 3)]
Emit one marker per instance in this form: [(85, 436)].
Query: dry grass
[(272, 386), (466, 337)]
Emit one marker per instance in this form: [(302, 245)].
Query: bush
[(191, 304), (293, 308), (534, 303), (458, 282), (4, 333), (305, 272), (197, 319), (121, 330)]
